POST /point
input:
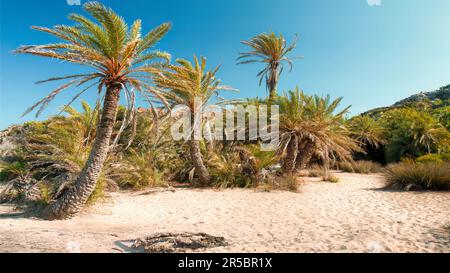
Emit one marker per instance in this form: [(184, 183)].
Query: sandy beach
[(355, 215)]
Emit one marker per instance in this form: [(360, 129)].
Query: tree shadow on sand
[(12, 211), (414, 190)]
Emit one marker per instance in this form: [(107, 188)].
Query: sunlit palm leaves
[(116, 54), (273, 52), (367, 131), (315, 120), (413, 133), (184, 82), (85, 122)]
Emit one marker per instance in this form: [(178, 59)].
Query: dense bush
[(136, 170), (413, 132), (362, 167), (226, 170), (12, 170), (241, 166), (418, 176), (46, 162), (53, 152), (434, 158)]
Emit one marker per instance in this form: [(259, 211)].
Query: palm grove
[(70, 160)]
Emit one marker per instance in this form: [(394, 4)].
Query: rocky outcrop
[(442, 94)]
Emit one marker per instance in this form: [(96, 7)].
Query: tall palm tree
[(272, 51), (191, 85), (118, 58), (310, 125)]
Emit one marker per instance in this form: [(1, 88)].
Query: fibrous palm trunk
[(272, 82), (305, 153), (197, 160), (75, 197), (291, 156)]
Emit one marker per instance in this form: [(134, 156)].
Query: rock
[(442, 94), (183, 242)]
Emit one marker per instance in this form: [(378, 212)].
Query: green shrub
[(362, 167), (426, 176), (12, 170), (434, 158), (136, 170), (224, 179), (413, 132), (227, 171)]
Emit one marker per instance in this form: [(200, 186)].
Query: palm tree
[(367, 131), (119, 58), (193, 86), (272, 51), (311, 126)]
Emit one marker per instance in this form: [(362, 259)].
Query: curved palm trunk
[(73, 200), (196, 156), (291, 156), (305, 153)]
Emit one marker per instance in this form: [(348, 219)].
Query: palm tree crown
[(310, 125), (367, 131), (183, 82), (272, 51), (117, 54)]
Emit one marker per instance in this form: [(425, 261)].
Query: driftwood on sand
[(182, 242)]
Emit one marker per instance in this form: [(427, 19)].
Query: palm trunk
[(196, 156), (305, 153), (327, 165), (273, 83), (291, 156), (74, 199)]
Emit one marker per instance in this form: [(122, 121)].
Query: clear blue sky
[(370, 55)]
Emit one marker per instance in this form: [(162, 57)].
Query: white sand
[(352, 216)]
